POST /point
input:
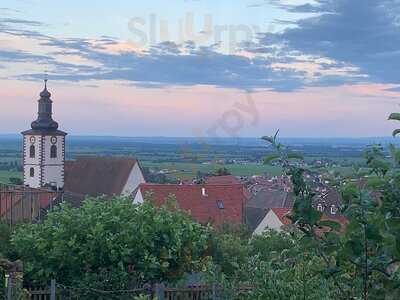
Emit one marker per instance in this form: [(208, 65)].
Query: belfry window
[(53, 151), (32, 172), (32, 151)]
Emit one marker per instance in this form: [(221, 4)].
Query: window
[(53, 151), (220, 204), (32, 172), (320, 207), (333, 210), (32, 151)]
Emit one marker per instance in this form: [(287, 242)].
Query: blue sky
[(310, 68)]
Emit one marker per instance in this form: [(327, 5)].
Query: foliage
[(230, 252), (16, 181), (222, 172), (159, 178), (112, 245), (284, 267), (5, 234), (363, 262), (5, 240)]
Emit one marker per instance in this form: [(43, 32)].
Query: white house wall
[(270, 221)]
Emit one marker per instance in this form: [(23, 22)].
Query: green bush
[(112, 245)]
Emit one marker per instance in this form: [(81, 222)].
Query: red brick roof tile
[(222, 203)]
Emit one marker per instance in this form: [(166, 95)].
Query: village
[(257, 202)]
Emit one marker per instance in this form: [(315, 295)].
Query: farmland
[(184, 158)]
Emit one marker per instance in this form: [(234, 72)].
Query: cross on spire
[(45, 80)]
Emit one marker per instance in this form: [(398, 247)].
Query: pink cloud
[(119, 109)]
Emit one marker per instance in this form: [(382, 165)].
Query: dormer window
[(334, 210), (320, 207), (220, 204)]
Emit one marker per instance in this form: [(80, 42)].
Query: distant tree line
[(11, 166)]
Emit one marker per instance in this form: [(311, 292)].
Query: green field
[(190, 170), (6, 175)]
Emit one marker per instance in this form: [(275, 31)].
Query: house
[(277, 219), (102, 176), (327, 201), (206, 203), (261, 203)]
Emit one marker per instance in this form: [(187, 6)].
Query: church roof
[(43, 132), (44, 124), (97, 176)]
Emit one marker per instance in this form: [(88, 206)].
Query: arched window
[(32, 172), (53, 151), (32, 151)]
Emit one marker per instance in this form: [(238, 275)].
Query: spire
[(45, 93), (45, 111)]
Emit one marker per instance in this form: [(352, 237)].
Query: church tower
[(44, 148)]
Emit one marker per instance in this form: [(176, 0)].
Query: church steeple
[(44, 148), (45, 112)]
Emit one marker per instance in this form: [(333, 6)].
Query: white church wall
[(34, 181), (32, 162), (134, 180), (53, 168), (54, 176), (138, 198)]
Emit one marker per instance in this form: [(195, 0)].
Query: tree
[(16, 181), (363, 262), (222, 172), (112, 245)]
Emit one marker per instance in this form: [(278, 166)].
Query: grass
[(189, 170), (6, 175)]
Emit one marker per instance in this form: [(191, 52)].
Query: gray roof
[(261, 203), (97, 175)]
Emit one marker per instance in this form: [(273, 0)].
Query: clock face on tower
[(53, 140), (32, 139)]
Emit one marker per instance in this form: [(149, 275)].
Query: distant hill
[(243, 142)]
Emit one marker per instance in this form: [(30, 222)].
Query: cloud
[(336, 42), (165, 64), (21, 56), (364, 34)]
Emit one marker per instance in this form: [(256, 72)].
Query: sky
[(203, 68)]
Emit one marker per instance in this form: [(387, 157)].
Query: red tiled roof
[(222, 203), (19, 200), (97, 176), (281, 213), (228, 179)]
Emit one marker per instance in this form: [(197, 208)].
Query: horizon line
[(209, 137)]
